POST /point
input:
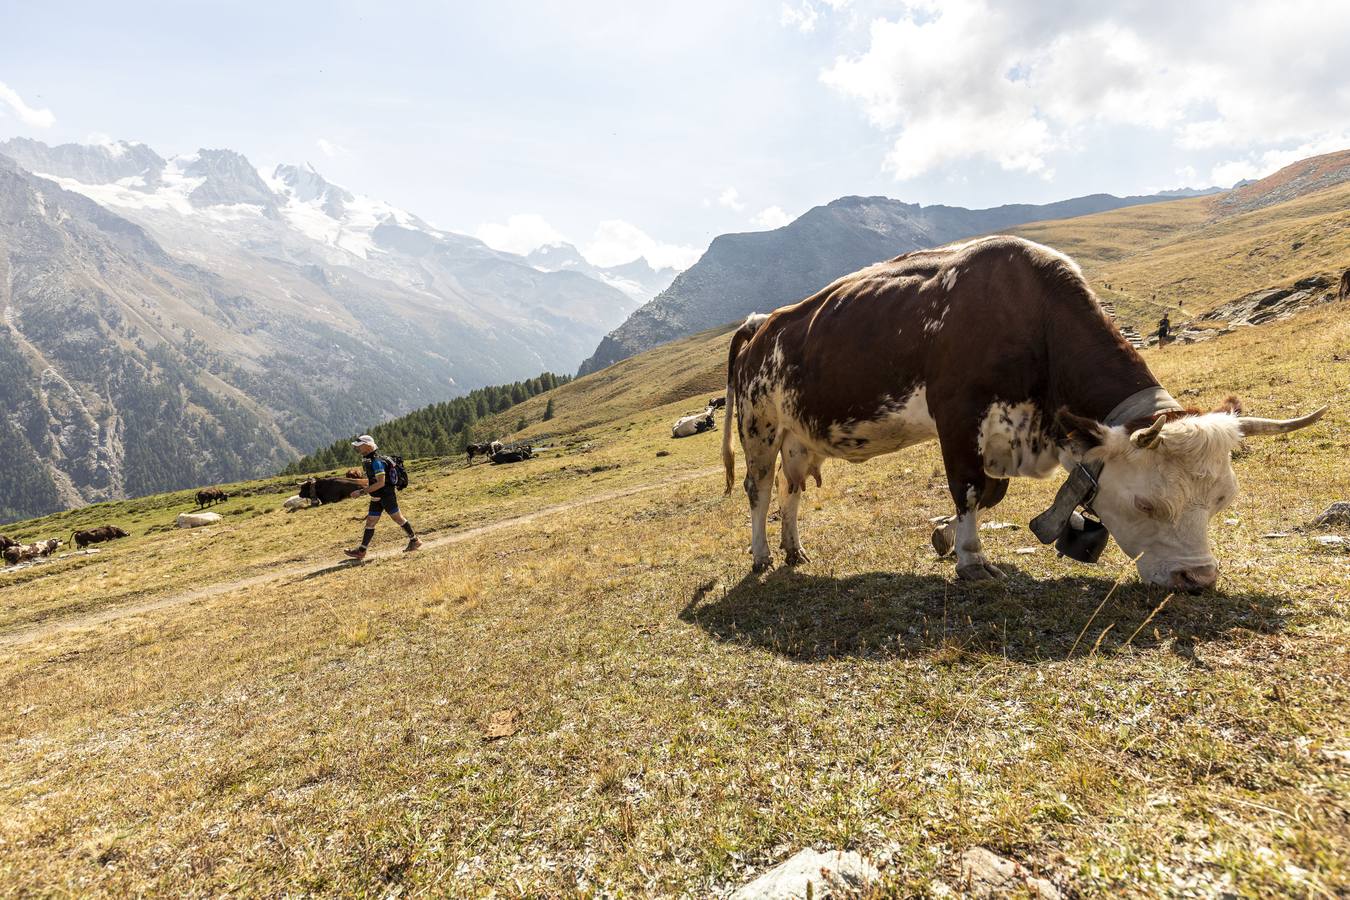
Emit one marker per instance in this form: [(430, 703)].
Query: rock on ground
[(1337, 513), (834, 873), (986, 874)]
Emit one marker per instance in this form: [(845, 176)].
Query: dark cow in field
[(7, 542), (355, 474), (717, 402), (510, 453), (210, 496), (97, 535), (329, 490), (483, 448), (1344, 292), (998, 349)]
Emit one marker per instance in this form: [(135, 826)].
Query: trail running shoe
[(414, 544), (356, 553)]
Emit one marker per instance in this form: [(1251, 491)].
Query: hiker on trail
[(383, 497), (1164, 329)]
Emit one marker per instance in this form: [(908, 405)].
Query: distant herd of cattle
[(316, 491)]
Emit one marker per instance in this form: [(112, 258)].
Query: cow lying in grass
[(998, 349), (687, 426), (82, 539), (329, 490), (484, 448)]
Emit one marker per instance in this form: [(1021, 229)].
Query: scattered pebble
[(1340, 756), (1337, 513), (1272, 535), (1230, 521), (997, 526), (834, 873), (1025, 551), (986, 874), (1330, 540)]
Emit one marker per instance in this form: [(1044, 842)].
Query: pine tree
[(548, 410)]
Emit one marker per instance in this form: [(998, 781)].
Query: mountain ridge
[(747, 272)]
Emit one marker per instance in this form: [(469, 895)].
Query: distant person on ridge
[(1164, 329), (383, 498)]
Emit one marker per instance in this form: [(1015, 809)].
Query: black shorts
[(387, 504)]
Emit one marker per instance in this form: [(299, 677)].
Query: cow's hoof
[(762, 564), (979, 572), (796, 557), (944, 540)]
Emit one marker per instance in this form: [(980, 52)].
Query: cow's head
[(1160, 485), (119, 532), (307, 489)]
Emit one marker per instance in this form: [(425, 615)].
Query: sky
[(640, 128)]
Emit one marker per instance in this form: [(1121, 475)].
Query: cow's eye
[(1144, 506)]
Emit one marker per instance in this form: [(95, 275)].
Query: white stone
[(1330, 540), (986, 874), (834, 873), (197, 520)]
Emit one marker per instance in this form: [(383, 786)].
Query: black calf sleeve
[(407, 526), (366, 538)]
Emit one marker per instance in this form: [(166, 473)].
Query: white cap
[(364, 439)]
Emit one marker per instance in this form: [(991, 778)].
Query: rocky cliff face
[(757, 272)]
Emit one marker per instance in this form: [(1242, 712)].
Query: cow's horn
[(1145, 438), (1252, 425)]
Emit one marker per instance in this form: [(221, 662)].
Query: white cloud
[(801, 17), (731, 199), (330, 149), (34, 118), (616, 242), (771, 217), (520, 233), (1016, 81)]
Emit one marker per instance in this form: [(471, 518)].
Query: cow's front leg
[(972, 498)]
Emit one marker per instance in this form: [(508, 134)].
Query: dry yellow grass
[(1189, 256), (682, 724)]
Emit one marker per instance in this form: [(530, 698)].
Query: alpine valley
[(191, 320)]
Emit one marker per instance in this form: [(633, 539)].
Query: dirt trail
[(307, 569)]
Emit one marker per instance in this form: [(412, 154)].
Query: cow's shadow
[(809, 618)]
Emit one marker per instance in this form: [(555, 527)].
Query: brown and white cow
[(998, 348)]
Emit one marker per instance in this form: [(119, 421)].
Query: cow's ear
[(1232, 406), (1082, 433)]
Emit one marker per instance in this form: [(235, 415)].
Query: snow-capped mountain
[(306, 309), (637, 278)]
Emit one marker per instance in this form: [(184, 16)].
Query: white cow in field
[(197, 520), (296, 502), (695, 424)]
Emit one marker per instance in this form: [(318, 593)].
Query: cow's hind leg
[(761, 450), (799, 463)]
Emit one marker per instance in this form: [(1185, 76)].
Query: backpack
[(397, 472)]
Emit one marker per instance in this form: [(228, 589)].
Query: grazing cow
[(998, 348), (48, 547), (20, 553), (483, 448), (695, 424), (208, 496), (329, 490), (82, 539)]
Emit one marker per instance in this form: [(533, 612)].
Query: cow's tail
[(738, 340)]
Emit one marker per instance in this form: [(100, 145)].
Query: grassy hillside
[(227, 710), (1189, 254)]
